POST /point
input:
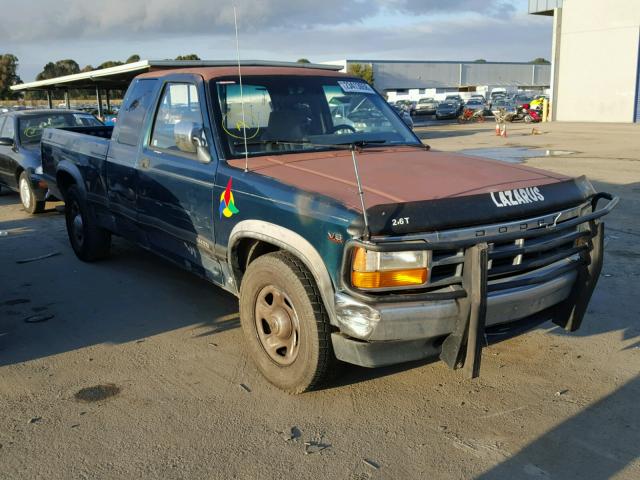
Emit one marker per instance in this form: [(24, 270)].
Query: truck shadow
[(598, 442)]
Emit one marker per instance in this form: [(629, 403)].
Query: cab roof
[(211, 73)]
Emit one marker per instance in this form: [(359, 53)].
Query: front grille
[(513, 257)]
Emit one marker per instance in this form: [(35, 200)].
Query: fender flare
[(71, 169), (293, 243)]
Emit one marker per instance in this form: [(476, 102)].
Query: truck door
[(175, 196), (121, 173)]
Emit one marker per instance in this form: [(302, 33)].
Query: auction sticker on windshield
[(355, 87)]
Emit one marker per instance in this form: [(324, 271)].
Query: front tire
[(27, 196), (89, 241), (285, 323)]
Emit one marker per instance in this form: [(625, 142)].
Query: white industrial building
[(595, 59), (415, 79)]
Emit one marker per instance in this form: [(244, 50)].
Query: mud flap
[(463, 347), (571, 314)]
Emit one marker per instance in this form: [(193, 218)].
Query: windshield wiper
[(366, 143), (287, 142), (358, 144)]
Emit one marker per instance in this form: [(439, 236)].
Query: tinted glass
[(131, 116), (6, 128), (300, 113), (31, 126)]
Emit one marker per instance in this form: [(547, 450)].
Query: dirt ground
[(141, 371)]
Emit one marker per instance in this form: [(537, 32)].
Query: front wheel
[(27, 195), (528, 119), (285, 323), (89, 241)]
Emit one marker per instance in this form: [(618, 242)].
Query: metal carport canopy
[(119, 77)]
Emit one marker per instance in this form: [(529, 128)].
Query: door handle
[(144, 162)]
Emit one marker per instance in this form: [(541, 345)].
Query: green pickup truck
[(301, 191)]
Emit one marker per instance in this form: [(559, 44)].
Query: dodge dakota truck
[(343, 235)]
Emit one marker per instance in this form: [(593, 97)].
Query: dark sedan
[(20, 166), (448, 109)]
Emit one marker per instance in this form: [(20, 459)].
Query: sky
[(91, 32)]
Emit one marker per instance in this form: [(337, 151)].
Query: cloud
[(135, 19), (92, 32)]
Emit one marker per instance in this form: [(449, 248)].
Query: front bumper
[(39, 186), (457, 324)]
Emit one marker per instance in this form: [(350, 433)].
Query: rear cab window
[(138, 99), (7, 130)]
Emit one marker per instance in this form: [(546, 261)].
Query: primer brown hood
[(396, 175)]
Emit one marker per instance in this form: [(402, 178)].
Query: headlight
[(38, 170), (388, 269)]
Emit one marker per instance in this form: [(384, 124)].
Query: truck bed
[(80, 146)]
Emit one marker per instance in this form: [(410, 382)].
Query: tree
[(109, 64), (133, 58), (303, 60), (8, 75), (87, 68), (191, 56), (480, 60), (364, 71), (540, 61), (58, 69)]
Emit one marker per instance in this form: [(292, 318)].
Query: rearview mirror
[(189, 138), (6, 142)]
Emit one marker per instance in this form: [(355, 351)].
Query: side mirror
[(189, 138), (6, 142)]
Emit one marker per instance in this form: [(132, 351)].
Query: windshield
[(293, 113), (426, 100), (31, 126)]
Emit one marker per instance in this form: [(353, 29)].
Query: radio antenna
[(366, 232), (244, 124)]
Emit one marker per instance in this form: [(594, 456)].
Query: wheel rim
[(25, 193), (277, 325), (76, 224)]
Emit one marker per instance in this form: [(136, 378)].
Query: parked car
[(426, 106), (503, 103), (521, 99), (454, 98), (409, 105), (475, 104), (406, 116), (20, 168), (448, 109), (342, 241)]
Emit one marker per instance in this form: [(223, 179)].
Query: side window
[(178, 118), (2, 119), (8, 131), (131, 116)]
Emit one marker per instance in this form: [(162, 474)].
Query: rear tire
[(285, 323), (27, 196), (89, 241)]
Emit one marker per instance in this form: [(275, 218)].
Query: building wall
[(394, 75), (598, 65)]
